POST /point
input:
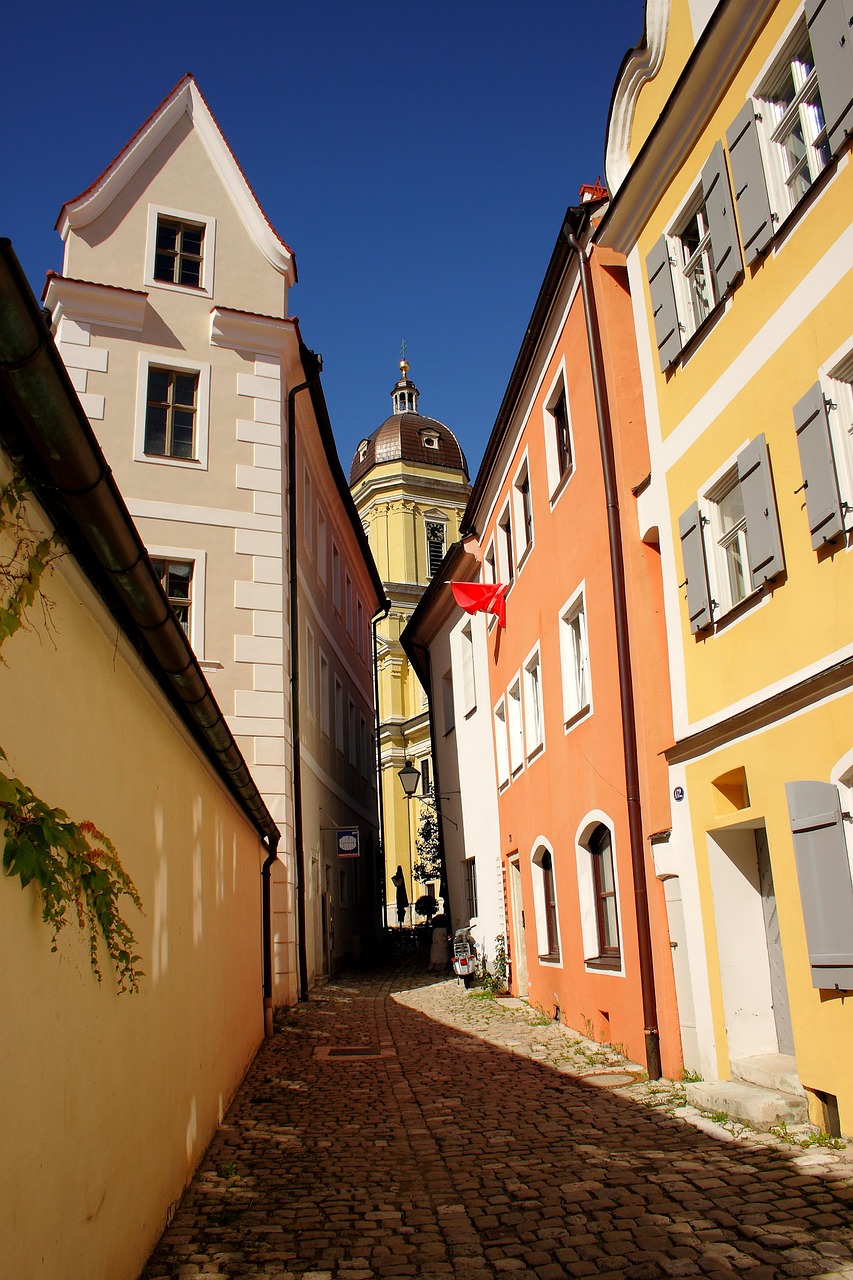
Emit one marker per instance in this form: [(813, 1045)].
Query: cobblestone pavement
[(397, 1125)]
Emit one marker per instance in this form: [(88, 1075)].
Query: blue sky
[(418, 158)]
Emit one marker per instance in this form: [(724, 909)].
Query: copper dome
[(409, 437)]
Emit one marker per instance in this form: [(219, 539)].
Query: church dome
[(407, 436)]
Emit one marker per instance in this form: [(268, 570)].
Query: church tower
[(409, 481)]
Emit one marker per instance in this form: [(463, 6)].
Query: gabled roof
[(187, 98)]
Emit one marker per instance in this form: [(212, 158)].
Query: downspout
[(298, 836), (374, 622), (266, 924), (623, 650), (444, 889)]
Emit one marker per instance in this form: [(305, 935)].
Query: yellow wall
[(107, 1103)]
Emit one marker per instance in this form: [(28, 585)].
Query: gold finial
[(404, 364)]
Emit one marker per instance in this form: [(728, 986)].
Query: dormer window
[(362, 450), (429, 439)]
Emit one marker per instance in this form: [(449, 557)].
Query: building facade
[(409, 481), (729, 158), (171, 314)]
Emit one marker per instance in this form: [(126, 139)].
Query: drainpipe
[(266, 923), (298, 837), (374, 622), (444, 890), (623, 650)]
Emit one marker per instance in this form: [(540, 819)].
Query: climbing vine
[(427, 863), (75, 866)]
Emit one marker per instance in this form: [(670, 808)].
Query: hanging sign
[(348, 842)]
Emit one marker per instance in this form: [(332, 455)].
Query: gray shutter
[(667, 331), (823, 502), (764, 541), (830, 24), (826, 889), (695, 568), (725, 249), (750, 186)]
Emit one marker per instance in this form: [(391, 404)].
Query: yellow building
[(409, 480), (728, 156)]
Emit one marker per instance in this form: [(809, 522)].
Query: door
[(778, 984), (518, 942), (681, 972)]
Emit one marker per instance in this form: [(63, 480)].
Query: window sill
[(604, 962), (561, 485), (166, 459), (524, 557), (536, 752), (577, 717), (553, 957)]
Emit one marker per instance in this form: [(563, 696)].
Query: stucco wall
[(107, 1102)]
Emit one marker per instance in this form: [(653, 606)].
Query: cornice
[(641, 65), (101, 304), (243, 331)]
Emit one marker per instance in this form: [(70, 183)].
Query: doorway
[(519, 946)]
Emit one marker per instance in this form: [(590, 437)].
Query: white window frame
[(205, 289), (521, 531), (166, 360), (469, 680), (515, 726), (534, 710), (352, 730), (686, 264), (322, 545), (359, 625), (557, 480), (348, 601), (574, 659), (198, 559), (340, 727), (719, 542), (362, 744), (311, 669), (336, 576), (587, 897), (325, 695), (777, 120), (499, 727), (505, 539), (540, 847), (489, 573), (836, 379), (308, 510), (447, 701)]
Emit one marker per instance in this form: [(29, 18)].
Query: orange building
[(579, 715)]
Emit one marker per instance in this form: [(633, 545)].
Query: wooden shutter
[(725, 249), (764, 540), (750, 186), (667, 330), (820, 479), (826, 889), (695, 568), (830, 24)]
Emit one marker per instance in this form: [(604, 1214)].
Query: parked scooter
[(464, 956)]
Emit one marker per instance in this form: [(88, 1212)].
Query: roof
[(185, 98), (402, 438)]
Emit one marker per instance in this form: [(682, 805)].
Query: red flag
[(482, 597)]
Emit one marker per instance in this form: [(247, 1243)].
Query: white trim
[(205, 289), (523, 471), (586, 893), (515, 726), (558, 386), (642, 65), (501, 739), (202, 423), (575, 710), (198, 558), (86, 303), (217, 517), (534, 746), (541, 845)]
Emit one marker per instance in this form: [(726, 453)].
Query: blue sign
[(678, 793), (348, 842)]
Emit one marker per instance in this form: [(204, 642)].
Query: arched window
[(604, 889), (545, 899)]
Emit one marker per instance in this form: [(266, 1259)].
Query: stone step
[(770, 1071), (751, 1103)]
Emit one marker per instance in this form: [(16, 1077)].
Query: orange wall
[(583, 769)]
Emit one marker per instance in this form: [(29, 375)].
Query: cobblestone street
[(397, 1125)]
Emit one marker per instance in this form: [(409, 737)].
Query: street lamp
[(410, 777)]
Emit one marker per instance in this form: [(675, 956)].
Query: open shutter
[(830, 24), (725, 249), (826, 889), (667, 331), (823, 502), (695, 568), (750, 186), (764, 541)]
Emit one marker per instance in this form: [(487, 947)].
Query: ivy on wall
[(75, 866)]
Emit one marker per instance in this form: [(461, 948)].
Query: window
[(322, 549), (325, 710), (348, 592), (501, 744), (336, 578), (447, 701), (794, 124), (604, 890), (353, 733), (505, 550), (426, 779), (170, 412), (435, 539), (339, 715), (533, 725), (730, 542), (311, 670), (516, 728), (557, 423), (545, 902), (470, 866), (693, 245), (523, 511), (469, 687), (176, 579), (179, 252), (574, 655), (362, 746), (360, 627), (489, 567), (429, 439), (308, 511), (823, 419)]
